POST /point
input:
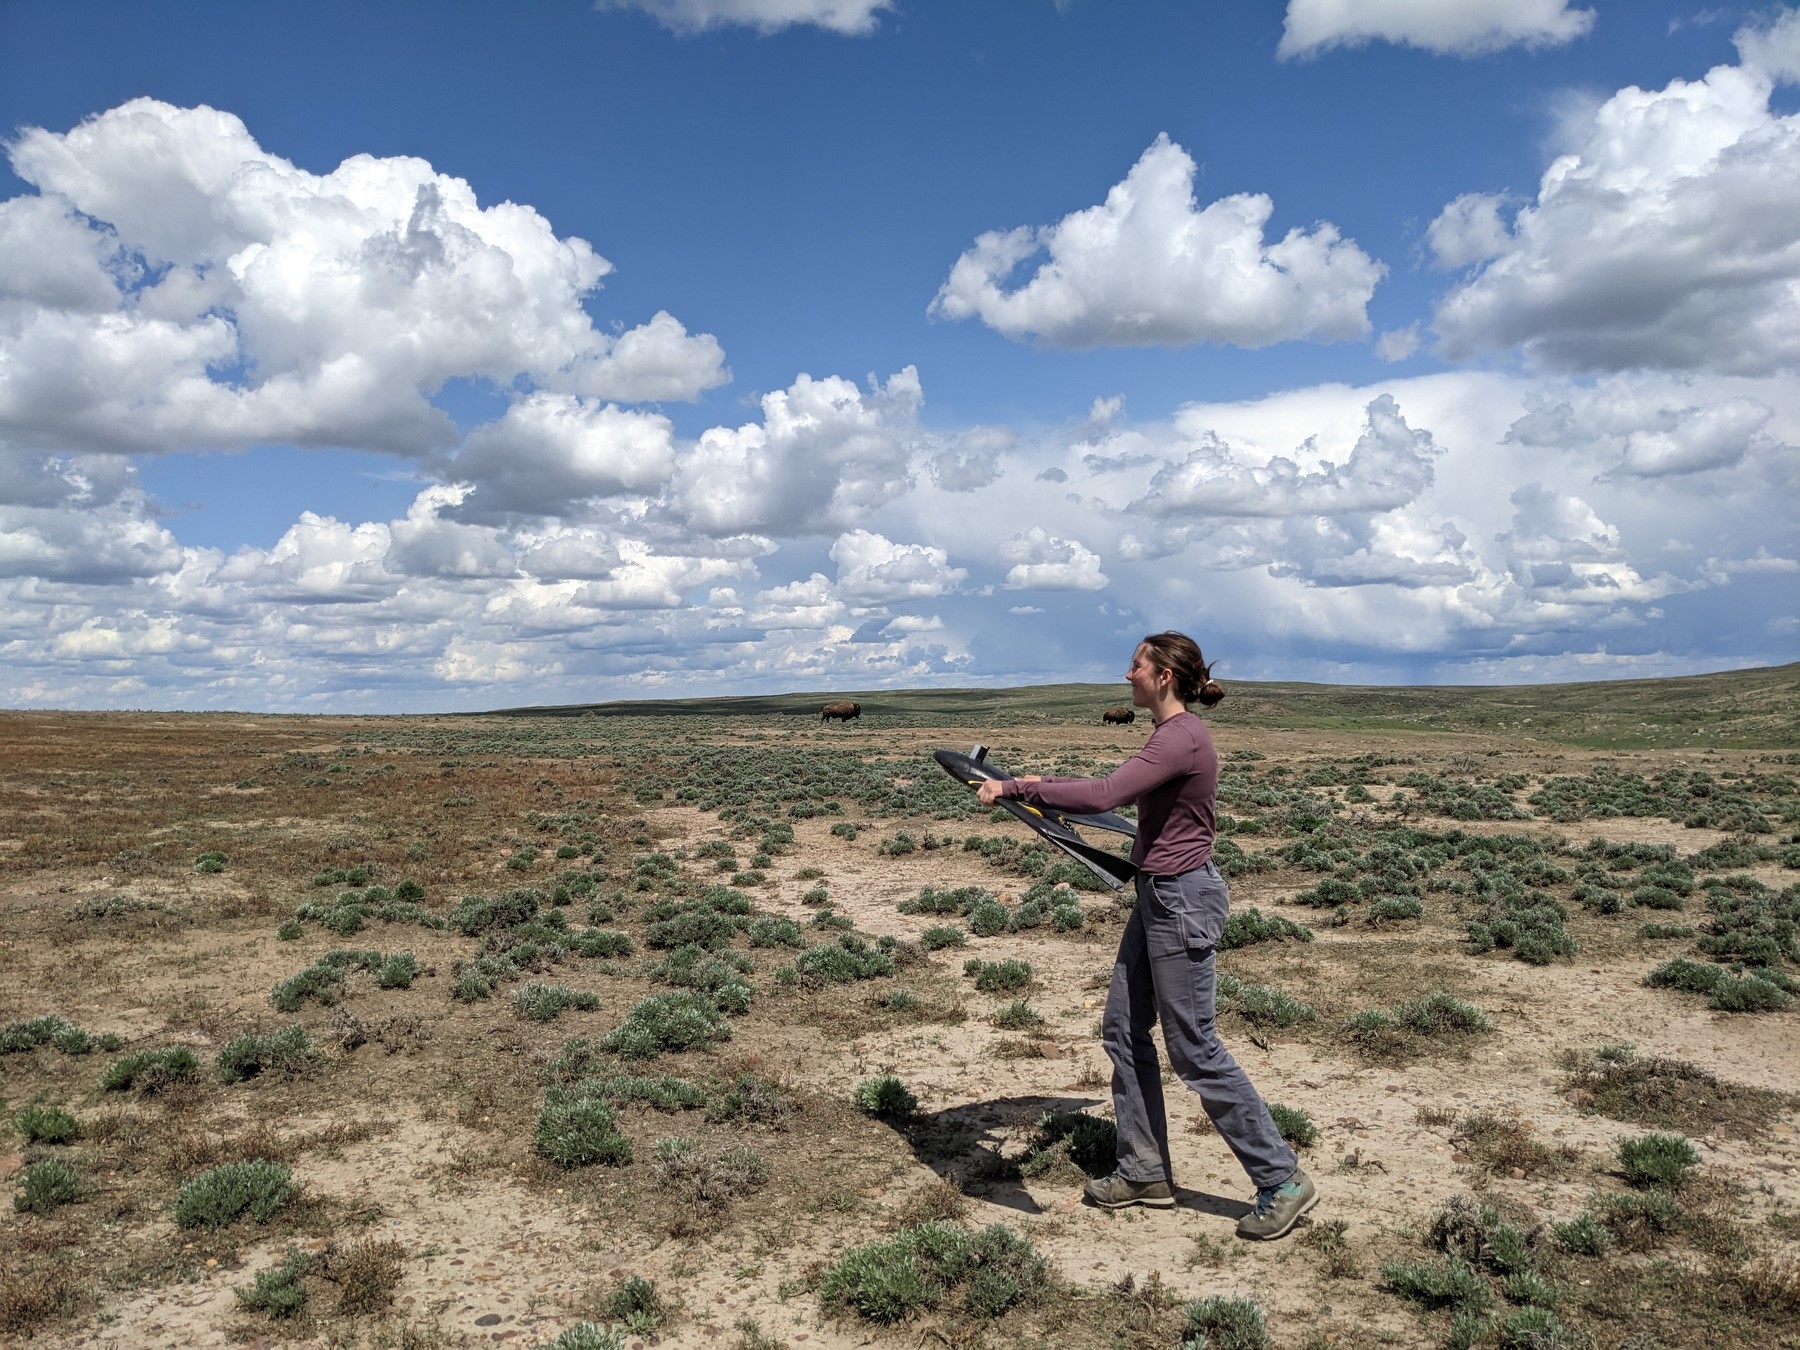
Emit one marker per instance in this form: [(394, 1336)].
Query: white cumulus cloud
[(1043, 562), (1390, 465), (177, 286), (1668, 239), (852, 18), (873, 569), (824, 454), (1448, 27), (1149, 266)]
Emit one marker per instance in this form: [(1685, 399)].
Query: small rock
[(488, 1320), (1516, 1173), (1461, 1158)]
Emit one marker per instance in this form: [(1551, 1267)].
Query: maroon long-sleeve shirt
[(1173, 780)]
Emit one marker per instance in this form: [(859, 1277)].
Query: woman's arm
[(1161, 759)]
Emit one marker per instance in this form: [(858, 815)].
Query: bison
[(1118, 717), (843, 712)]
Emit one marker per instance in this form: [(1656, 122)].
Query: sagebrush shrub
[(46, 1185), (1657, 1160), (287, 1052), (540, 1002), (1224, 1322), (151, 1071), (576, 1128), (1584, 1235), (47, 1125), (666, 1022), (1449, 1282), (999, 977), (1295, 1125), (1086, 1142), (221, 1194), (280, 1290), (885, 1098)]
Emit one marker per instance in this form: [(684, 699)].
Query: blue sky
[(411, 357)]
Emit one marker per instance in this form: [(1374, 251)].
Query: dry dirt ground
[(419, 1141)]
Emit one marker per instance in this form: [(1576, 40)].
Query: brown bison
[(843, 712), (1118, 717)]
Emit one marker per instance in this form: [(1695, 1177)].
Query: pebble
[(488, 1320)]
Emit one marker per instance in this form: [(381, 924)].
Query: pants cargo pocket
[(1185, 913)]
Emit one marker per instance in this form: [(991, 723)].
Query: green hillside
[(1739, 708)]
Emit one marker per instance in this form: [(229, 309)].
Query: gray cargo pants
[(1164, 971)]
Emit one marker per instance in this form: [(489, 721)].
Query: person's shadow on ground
[(980, 1148)]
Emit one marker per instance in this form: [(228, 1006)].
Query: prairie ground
[(878, 1010)]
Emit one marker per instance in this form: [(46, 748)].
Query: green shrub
[(1653, 932), (851, 958), (1657, 1160), (636, 1303), (22, 1037), (1529, 1287), (1295, 1125), (1018, 1016), (1086, 1142), (1441, 1014), (885, 1098), (278, 1291), (944, 935), (988, 918), (1258, 1004), (664, 1092), (540, 1002), (1252, 925), (931, 900), (221, 1194), (767, 931), (1224, 1322), (287, 1052), (1449, 1282), (47, 1125), (667, 1022), (577, 1127), (1638, 1220), (151, 1071), (45, 1186), (397, 972), (1533, 1329), (1584, 1235), (999, 977), (1006, 1270), (289, 930), (211, 861), (919, 1267), (1388, 908)]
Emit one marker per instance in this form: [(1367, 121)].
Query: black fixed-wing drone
[(1056, 826)]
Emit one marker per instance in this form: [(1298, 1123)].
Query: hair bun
[(1211, 692)]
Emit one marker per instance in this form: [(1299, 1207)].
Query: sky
[(411, 357)]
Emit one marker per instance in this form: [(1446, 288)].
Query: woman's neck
[(1167, 708)]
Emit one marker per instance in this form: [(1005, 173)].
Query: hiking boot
[(1278, 1208), (1115, 1192)]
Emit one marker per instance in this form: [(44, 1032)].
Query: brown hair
[(1179, 654)]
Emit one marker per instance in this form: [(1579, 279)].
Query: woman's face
[(1146, 679)]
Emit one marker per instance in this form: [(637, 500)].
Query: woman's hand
[(989, 791)]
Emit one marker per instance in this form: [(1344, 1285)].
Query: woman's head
[(1190, 676)]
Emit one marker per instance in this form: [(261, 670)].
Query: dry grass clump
[(1670, 1094), (366, 1272), (1508, 1146), (31, 1297)]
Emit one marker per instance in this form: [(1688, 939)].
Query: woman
[(1164, 969)]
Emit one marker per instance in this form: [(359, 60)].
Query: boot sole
[(1285, 1230), (1163, 1202)]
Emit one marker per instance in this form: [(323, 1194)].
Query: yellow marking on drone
[(977, 782)]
